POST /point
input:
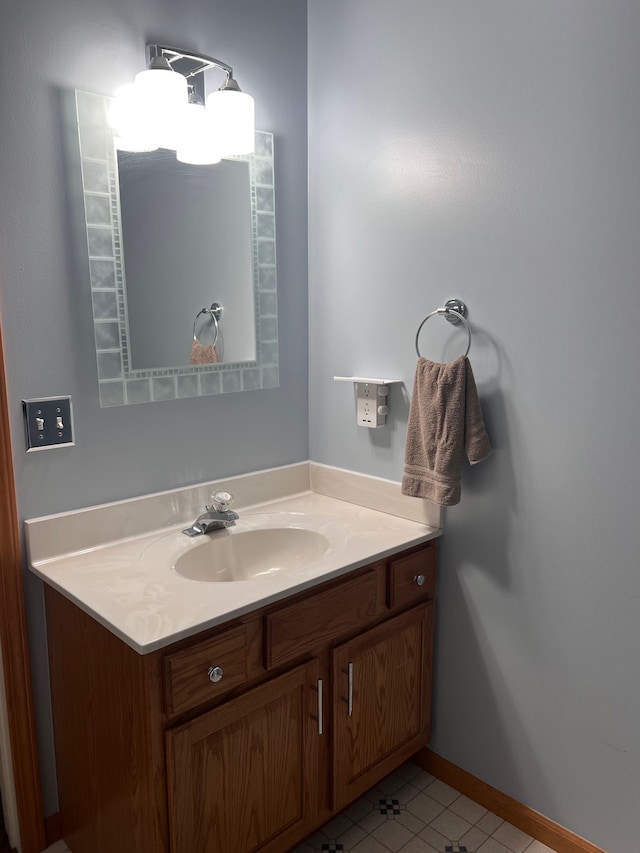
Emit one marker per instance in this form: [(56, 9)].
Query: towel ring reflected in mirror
[(453, 311), (215, 312)]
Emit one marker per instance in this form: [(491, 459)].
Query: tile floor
[(412, 812)]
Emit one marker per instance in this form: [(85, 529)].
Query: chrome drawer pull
[(320, 708), (419, 579), (215, 674)]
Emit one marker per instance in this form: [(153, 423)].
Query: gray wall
[(490, 151), (48, 50)]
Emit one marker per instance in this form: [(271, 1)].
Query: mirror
[(166, 242)]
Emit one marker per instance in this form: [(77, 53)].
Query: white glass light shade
[(132, 131), (165, 87), (163, 96), (233, 116), (197, 142)]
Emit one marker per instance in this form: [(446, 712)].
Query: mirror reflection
[(186, 229), (167, 242)]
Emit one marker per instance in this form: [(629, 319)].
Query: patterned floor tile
[(434, 838), (409, 771), (450, 825), (337, 826), (513, 838), (417, 845), (539, 847), (356, 811), (442, 792), (474, 839), (352, 837), (493, 846), (370, 845), (468, 809), (424, 807), (393, 835), (489, 823)]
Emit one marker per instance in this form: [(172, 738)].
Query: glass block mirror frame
[(120, 384)]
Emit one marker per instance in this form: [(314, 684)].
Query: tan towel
[(201, 354), (445, 421)]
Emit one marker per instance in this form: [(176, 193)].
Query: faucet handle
[(221, 501)]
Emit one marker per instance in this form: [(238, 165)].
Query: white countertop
[(131, 587)]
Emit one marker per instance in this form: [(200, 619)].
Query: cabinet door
[(381, 701), (243, 777)]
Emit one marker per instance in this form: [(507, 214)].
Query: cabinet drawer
[(187, 682), (405, 575), (317, 620)]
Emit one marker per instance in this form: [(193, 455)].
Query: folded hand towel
[(445, 420)]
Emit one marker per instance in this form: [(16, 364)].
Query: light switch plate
[(48, 423)]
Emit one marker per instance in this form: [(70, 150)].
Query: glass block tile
[(269, 353), (103, 273), (163, 388), (266, 225), (105, 305), (188, 386), (107, 335), (95, 177), (265, 199), (264, 172), (210, 383), (267, 278), (264, 144), (269, 329), (266, 252), (109, 365), (270, 377), (232, 381), (251, 379), (93, 143), (100, 242), (98, 210), (111, 394), (91, 109), (268, 305), (138, 391)]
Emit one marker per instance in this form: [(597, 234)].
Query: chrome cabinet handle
[(215, 674), (350, 693), (320, 716), (419, 579), (320, 708)]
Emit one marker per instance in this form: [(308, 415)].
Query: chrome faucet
[(217, 516)]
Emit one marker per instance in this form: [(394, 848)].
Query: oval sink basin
[(245, 555)]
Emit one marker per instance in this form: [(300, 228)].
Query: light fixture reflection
[(198, 143), (165, 108)]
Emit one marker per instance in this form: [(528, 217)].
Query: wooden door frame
[(15, 650)]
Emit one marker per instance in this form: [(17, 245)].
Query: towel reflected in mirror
[(204, 353)]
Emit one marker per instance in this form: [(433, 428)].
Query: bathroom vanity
[(249, 733)]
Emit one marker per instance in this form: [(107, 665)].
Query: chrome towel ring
[(215, 312), (453, 311)]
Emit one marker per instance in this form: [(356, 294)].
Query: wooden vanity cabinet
[(321, 695)]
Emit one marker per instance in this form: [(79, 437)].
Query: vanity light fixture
[(165, 108)]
